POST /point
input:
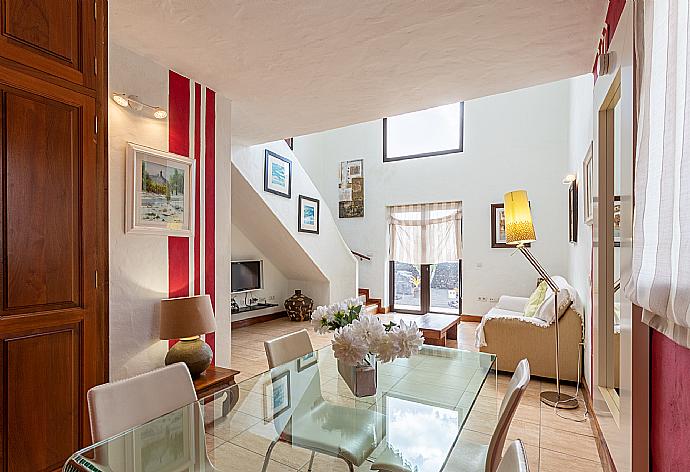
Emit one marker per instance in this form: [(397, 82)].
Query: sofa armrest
[(506, 302)]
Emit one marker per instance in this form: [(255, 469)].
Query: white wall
[(275, 283), (327, 250), (139, 263), (513, 140), (580, 253)]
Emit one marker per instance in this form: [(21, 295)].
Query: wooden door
[(53, 318)]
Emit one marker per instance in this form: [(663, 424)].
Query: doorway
[(426, 288)]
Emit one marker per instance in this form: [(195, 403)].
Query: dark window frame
[(459, 149)]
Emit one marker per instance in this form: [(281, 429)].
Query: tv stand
[(257, 306)]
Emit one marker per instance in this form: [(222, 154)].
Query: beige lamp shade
[(186, 317), (519, 227)]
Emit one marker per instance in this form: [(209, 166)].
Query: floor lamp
[(520, 231)]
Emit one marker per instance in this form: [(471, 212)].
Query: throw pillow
[(535, 300)]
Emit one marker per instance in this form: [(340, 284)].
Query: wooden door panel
[(56, 37), (41, 375), (42, 162)]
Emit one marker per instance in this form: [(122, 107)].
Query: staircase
[(372, 306)]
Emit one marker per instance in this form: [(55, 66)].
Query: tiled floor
[(552, 443)]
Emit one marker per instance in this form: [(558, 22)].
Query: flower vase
[(361, 378)]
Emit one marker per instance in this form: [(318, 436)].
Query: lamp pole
[(555, 399)]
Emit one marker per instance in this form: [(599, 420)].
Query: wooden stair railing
[(361, 256)]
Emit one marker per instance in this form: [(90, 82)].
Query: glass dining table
[(302, 416)]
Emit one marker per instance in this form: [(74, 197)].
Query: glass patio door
[(426, 288)]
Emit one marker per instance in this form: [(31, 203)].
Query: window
[(424, 133)]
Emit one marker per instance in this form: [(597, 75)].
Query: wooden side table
[(215, 379)]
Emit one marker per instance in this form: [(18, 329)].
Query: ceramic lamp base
[(195, 353)]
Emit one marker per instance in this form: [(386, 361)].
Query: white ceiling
[(297, 67)]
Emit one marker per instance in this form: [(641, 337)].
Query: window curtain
[(428, 233), (660, 278)]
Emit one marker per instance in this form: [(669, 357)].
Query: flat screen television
[(246, 276)]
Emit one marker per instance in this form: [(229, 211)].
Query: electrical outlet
[(493, 299), (272, 297), (481, 299)]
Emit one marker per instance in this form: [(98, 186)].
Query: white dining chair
[(287, 348), (350, 434), (478, 457), (515, 458), (122, 405)]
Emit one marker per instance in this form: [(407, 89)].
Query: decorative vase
[(299, 307), (361, 378)]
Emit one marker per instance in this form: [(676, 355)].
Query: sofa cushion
[(535, 301), (566, 296)]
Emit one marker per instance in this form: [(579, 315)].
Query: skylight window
[(424, 133)]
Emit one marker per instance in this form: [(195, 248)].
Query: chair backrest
[(511, 400), (515, 458), (287, 348), (118, 406)]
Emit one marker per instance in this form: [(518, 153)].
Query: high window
[(424, 133)]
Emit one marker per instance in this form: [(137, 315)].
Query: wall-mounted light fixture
[(131, 101), (569, 179)]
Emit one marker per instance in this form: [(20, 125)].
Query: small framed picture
[(277, 174), (159, 193), (498, 227), (306, 361), (308, 215), (617, 221), (572, 212), (278, 401), (588, 173)]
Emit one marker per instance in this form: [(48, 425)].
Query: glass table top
[(278, 418)]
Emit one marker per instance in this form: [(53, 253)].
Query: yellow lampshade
[(519, 227)]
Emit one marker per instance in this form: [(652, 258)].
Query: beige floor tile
[(258, 438), (550, 461), (566, 442), (566, 420), (229, 457)]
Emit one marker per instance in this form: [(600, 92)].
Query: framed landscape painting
[(277, 174), (498, 228), (308, 215), (160, 192)]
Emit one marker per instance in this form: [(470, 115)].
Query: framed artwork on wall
[(308, 215), (588, 173), (572, 212), (498, 228), (351, 189), (277, 174), (160, 192), (617, 221)]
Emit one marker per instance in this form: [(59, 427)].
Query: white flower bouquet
[(359, 336)]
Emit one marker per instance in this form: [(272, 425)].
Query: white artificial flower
[(408, 338), (386, 349), (319, 318), (347, 347), (369, 329)]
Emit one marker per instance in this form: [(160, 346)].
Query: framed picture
[(160, 192), (588, 173), (572, 212), (617, 221), (498, 228), (165, 443), (277, 174), (277, 401), (306, 361), (308, 215), (351, 189)]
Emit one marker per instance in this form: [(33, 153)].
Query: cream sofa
[(504, 331)]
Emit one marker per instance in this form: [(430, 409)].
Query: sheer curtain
[(660, 281), (428, 233)]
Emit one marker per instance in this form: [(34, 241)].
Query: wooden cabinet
[(53, 37), (53, 227)]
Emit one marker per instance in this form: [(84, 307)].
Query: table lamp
[(520, 231), (187, 318)]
